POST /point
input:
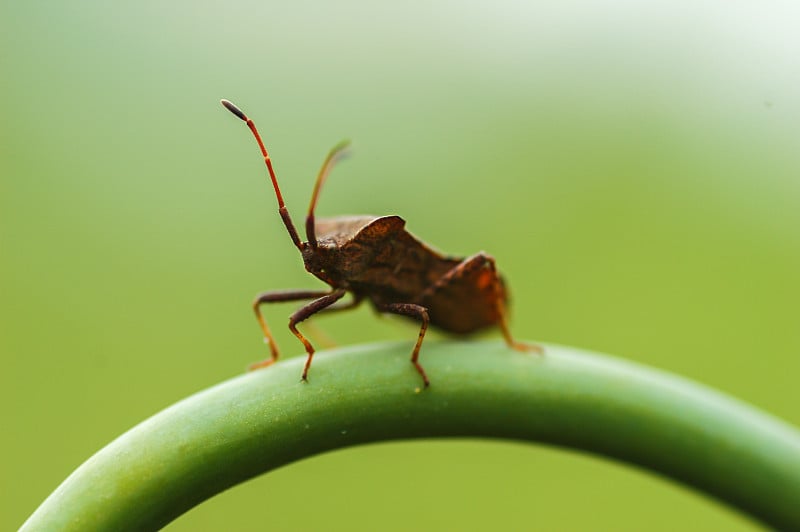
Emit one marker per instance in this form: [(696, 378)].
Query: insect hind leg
[(471, 267)]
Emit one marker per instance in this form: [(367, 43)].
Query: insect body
[(376, 259)]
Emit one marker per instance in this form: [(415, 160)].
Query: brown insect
[(375, 258)]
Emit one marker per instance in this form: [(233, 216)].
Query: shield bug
[(375, 258)]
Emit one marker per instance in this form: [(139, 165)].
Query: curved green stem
[(268, 418)]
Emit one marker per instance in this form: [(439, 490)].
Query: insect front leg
[(277, 297), (304, 313), (318, 334), (414, 311)]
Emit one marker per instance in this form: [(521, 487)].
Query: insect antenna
[(338, 152), (287, 220)]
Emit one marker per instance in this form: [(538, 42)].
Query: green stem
[(268, 418)]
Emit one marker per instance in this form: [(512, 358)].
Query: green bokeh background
[(634, 168)]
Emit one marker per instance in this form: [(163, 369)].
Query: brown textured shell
[(377, 259)]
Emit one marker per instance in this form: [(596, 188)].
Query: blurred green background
[(633, 166)]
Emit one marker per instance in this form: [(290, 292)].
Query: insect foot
[(527, 348)]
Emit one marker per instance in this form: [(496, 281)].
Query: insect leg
[(318, 334), (356, 301), (276, 297), (470, 266), (414, 311), (304, 312), (489, 263)]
